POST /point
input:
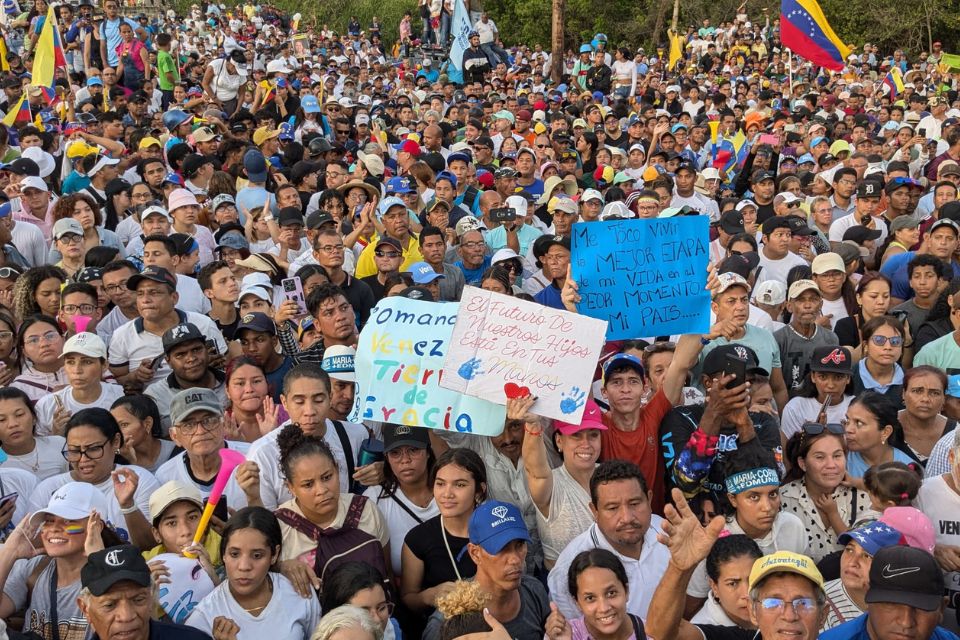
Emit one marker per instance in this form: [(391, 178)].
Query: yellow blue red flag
[(805, 30)]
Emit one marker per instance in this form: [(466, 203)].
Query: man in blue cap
[(498, 547)]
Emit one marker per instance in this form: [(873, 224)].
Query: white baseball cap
[(770, 292), (73, 501), (518, 204), (591, 194), (86, 344)]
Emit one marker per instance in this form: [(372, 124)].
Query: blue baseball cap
[(873, 537), (286, 131), (806, 158), (5, 210), (446, 175), (388, 203), (585, 48), (423, 273), (94, 81), (459, 155), (399, 184), (310, 104), (953, 385), (496, 524), (173, 178), (818, 140), (623, 360)]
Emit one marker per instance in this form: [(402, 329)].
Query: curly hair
[(462, 609), (63, 208), (25, 289)]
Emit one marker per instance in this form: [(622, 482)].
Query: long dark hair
[(599, 558), (101, 420), (142, 407), (469, 460), (799, 445), (36, 318), (346, 581), (253, 518)]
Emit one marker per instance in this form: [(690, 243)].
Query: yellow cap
[(148, 142), (539, 128), (785, 562), (263, 134)]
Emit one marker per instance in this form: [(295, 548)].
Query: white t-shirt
[(287, 616), (942, 505), (21, 483), (110, 323), (146, 485), (771, 269), (44, 461), (47, 405), (835, 308), (800, 410), (130, 347), (176, 469), (191, 296), (266, 453), (398, 520)]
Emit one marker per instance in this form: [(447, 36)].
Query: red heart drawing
[(514, 391)]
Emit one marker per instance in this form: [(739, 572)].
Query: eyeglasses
[(93, 452), (543, 146), (116, 288), (895, 341), (49, 336), (85, 309), (331, 248), (471, 245), (815, 428), (801, 606), (387, 254), (70, 239), (190, 427), (405, 452)]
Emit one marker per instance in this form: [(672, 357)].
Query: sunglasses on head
[(815, 428)]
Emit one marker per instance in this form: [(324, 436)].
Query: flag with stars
[(805, 30)]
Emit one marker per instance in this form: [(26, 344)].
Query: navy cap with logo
[(154, 274), (417, 293), (731, 222), (831, 359), (107, 567), (257, 321), (740, 263), (180, 334), (906, 575), (401, 435), (496, 524), (316, 219), (714, 361)]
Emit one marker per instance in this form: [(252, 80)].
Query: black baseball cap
[(154, 274), (401, 435), (417, 293), (317, 219), (257, 321), (760, 175), (393, 242), (302, 169), (288, 216), (550, 241), (731, 222), (24, 167), (869, 189), (905, 575), (740, 263), (107, 567), (180, 334), (715, 361), (798, 226), (831, 359), (861, 234), (777, 222)]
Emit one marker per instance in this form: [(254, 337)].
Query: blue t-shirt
[(110, 31), (473, 276), (896, 268), (74, 182), (856, 629), (549, 296), (857, 466)]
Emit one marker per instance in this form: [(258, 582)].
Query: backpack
[(337, 546)]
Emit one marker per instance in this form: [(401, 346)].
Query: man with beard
[(620, 501), (185, 348)]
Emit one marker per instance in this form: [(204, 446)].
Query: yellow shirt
[(367, 267)]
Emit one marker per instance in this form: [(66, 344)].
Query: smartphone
[(7, 498), (155, 363), (822, 414), (736, 367), (212, 346), (503, 214), (922, 132), (293, 290), (769, 138)]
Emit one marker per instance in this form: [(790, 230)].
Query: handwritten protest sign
[(399, 366), (644, 277), (187, 585), (502, 346)]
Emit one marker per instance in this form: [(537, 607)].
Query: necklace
[(261, 608)]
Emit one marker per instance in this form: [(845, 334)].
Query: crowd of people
[(200, 216)]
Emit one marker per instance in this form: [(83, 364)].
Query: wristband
[(268, 217), (127, 511), (533, 432)]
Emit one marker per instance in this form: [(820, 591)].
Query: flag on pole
[(19, 113), (894, 80), (950, 62), (460, 30), (805, 30), (4, 65), (676, 49), (48, 53)]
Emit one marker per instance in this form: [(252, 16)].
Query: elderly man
[(786, 589), (118, 600)]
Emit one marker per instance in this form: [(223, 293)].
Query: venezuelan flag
[(894, 80), (805, 30), (48, 52), (269, 92), (19, 113)]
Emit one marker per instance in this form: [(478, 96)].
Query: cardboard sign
[(504, 347), (399, 366), (644, 277)]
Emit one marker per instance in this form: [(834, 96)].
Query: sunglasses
[(895, 341), (815, 428)]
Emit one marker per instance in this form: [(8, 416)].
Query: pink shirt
[(46, 225)]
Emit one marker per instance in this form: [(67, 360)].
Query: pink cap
[(592, 419), (181, 198), (913, 524)]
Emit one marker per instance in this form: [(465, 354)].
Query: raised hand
[(94, 541), (556, 627), (125, 482), (689, 541), (271, 415)]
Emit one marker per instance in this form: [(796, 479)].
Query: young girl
[(823, 380), (891, 484), (40, 344), (38, 291), (728, 567), (312, 476), (360, 585), (254, 602), (37, 455), (753, 493), (139, 421)]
